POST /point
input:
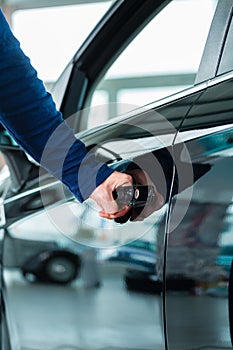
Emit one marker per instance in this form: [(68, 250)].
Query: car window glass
[(51, 35), (163, 59)]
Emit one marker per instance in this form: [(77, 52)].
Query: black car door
[(115, 315), (199, 253), (198, 257)]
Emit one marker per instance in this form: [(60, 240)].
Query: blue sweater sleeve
[(28, 112)]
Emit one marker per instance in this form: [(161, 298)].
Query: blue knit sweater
[(29, 114)]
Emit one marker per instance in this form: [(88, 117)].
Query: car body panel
[(195, 244)]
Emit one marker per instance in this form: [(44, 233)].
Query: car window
[(51, 35), (162, 60)]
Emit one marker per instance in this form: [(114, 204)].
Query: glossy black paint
[(195, 246)]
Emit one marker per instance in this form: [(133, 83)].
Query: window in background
[(163, 59), (51, 36)]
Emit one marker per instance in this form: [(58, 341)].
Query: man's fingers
[(103, 194), (115, 215)]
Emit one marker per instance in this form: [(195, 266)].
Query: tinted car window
[(163, 59)]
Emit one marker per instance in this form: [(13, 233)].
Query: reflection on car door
[(200, 237)]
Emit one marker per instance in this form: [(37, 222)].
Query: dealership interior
[(72, 280)]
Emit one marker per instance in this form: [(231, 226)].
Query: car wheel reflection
[(52, 266)]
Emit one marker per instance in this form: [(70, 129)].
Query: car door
[(198, 269), (198, 283), (114, 315)]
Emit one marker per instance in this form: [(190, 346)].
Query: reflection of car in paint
[(58, 266), (49, 260), (139, 253), (148, 282)]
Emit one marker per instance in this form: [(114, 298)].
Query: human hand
[(140, 213), (103, 195)]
